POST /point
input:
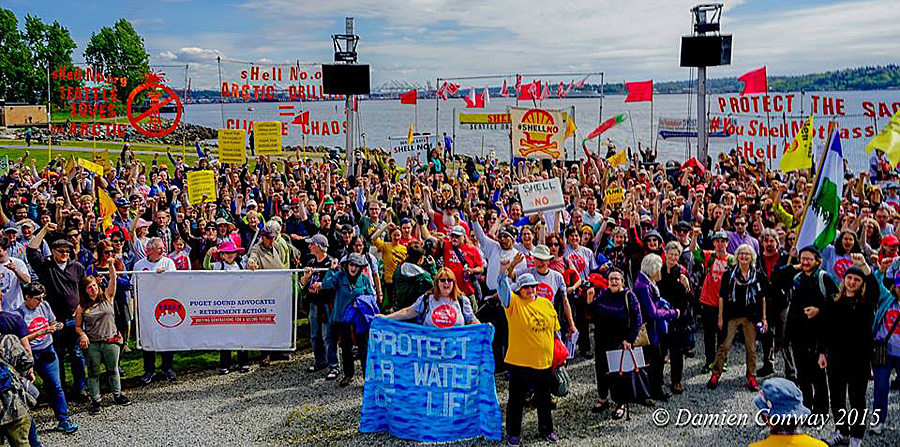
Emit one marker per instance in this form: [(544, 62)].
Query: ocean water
[(381, 119)]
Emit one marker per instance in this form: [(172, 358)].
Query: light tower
[(345, 51)]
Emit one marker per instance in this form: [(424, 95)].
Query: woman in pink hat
[(228, 254)]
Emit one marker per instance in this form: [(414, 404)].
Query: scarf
[(751, 286)]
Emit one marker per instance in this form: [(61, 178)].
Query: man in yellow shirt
[(782, 404), (533, 324)]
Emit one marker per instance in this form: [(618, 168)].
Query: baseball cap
[(458, 231), (890, 240), (294, 202), (122, 202), (720, 235), (320, 240), (251, 202)]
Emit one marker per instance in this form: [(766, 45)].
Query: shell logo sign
[(537, 133)]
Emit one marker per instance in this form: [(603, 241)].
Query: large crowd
[(691, 260)]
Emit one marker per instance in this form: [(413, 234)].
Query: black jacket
[(62, 285)]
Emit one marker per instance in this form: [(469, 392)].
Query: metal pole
[(221, 99), (600, 112), (437, 109), (49, 118), (348, 104), (702, 127)]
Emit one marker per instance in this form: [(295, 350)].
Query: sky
[(414, 41)]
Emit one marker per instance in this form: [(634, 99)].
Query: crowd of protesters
[(691, 259)]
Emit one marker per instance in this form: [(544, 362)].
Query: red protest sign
[(155, 91)]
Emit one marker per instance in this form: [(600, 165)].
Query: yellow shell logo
[(539, 127)]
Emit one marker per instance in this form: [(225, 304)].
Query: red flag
[(474, 100), (570, 87), (452, 88), (302, 118), (527, 92), (518, 83), (504, 91), (408, 97), (442, 91), (580, 83), (545, 93), (754, 81), (560, 90), (639, 91)]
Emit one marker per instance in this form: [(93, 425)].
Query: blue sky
[(419, 40)]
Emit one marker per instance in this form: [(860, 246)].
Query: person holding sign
[(532, 325), (445, 306)]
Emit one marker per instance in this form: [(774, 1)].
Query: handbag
[(630, 386), (561, 387), (642, 338), (880, 347)]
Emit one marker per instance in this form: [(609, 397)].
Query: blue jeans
[(320, 333), (46, 365), (883, 385), (65, 342)]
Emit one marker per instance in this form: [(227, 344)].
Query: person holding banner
[(95, 324), (533, 323), (445, 306), (348, 284), (617, 320), (156, 261)]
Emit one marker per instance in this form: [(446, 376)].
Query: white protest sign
[(541, 196), (401, 150), (181, 311)]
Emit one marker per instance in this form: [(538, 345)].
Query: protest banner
[(537, 133), (90, 166), (233, 146), (430, 384), (620, 159), (267, 137), (180, 311), (484, 121), (614, 196), (402, 150), (4, 164), (541, 196), (200, 183)]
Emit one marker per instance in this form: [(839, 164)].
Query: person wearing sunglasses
[(61, 276), (533, 323), (445, 306), (106, 257)]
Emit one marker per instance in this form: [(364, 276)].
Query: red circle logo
[(543, 290), (154, 128), (169, 312), (444, 316), (577, 261), (841, 266)]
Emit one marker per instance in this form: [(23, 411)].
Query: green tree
[(53, 45), (18, 77), (119, 51)]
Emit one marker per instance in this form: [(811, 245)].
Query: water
[(382, 119)]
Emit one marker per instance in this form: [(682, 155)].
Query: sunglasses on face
[(553, 244), (446, 280), (108, 252), (64, 251)]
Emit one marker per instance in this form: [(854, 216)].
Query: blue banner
[(430, 384)]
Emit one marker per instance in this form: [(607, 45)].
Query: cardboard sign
[(4, 164), (233, 146), (537, 133), (402, 150), (541, 196), (615, 195), (267, 137), (200, 183)]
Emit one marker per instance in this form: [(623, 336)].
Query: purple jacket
[(651, 313)]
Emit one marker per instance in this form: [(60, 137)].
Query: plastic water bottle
[(760, 328)]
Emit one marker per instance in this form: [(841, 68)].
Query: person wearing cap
[(713, 263), (267, 253), (320, 304), (781, 404), (61, 276), (13, 276), (532, 323), (742, 302), (461, 257), (392, 255), (16, 249), (811, 290), (27, 228), (139, 237), (844, 350), (445, 306), (348, 283), (121, 217)]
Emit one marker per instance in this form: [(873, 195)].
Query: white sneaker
[(836, 439), (878, 428), (855, 442)]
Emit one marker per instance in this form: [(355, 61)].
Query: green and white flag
[(820, 226), (4, 164)]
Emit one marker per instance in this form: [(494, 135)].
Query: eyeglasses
[(108, 252), (116, 241), (64, 251), (740, 223), (446, 280), (553, 244)]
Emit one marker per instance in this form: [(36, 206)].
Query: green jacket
[(412, 281)]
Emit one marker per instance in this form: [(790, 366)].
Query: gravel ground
[(281, 405)]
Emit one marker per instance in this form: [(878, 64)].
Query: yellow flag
[(620, 159), (409, 137), (798, 155), (107, 209), (888, 141), (570, 128)]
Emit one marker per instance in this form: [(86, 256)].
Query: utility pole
[(351, 149)]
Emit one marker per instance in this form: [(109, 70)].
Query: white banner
[(541, 196), (401, 150), (181, 311)]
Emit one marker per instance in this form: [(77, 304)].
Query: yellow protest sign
[(615, 195), (267, 137), (233, 146), (90, 166), (799, 154), (620, 159), (201, 183)]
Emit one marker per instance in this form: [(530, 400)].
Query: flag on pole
[(570, 87), (545, 93), (754, 81), (571, 127), (620, 159), (639, 91), (526, 92), (486, 99), (301, 118), (798, 155), (107, 209), (608, 124), (560, 89), (475, 100), (452, 88), (888, 141), (821, 222), (504, 91), (518, 83), (442, 91), (580, 83), (409, 136), (408, 97)]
